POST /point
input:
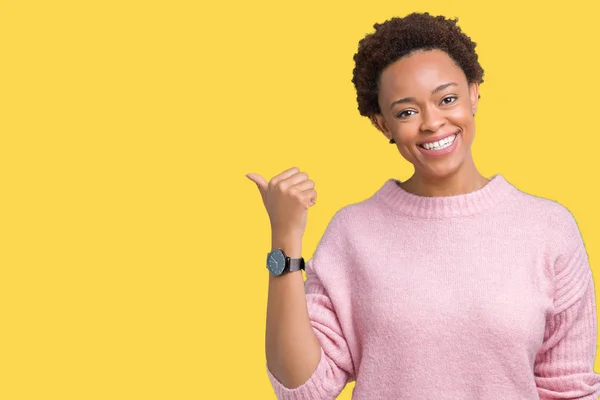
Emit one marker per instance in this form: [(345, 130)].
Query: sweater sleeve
[(335, 368), (564, 365)]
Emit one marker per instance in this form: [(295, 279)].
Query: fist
[(287, 197)]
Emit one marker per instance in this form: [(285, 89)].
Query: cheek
[(464, 119), (407, 150), (462, 115), (407, 131)]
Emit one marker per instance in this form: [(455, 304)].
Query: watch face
[(276, 262)]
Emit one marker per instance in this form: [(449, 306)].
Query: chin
[(448, 164), (442, 170)]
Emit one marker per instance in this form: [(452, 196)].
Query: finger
[(293, 180), (313, 199), (260, 182), (303, 185), (283, 175), (309, 197)]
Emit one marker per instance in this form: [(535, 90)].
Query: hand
[(287, 197)]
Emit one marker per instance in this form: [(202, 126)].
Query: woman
[(448, 285)]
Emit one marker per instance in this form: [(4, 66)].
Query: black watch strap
[(295, 264)]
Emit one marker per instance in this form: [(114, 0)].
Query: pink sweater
[(485, 295)]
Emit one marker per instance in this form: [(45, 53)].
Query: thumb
[(260, 182)]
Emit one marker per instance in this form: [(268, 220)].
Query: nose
[(433, 119)]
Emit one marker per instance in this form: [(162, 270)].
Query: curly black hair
[(398, 37)]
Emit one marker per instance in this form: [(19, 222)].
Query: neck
[(467, 179)]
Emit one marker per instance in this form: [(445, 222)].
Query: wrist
[(290, 244)]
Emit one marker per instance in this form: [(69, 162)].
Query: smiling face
[(425, 97)]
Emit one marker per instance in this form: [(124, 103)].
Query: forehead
[(419, 72)]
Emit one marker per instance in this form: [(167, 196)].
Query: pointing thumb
[(260, 182)]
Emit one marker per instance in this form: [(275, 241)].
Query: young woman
[(448, 285)]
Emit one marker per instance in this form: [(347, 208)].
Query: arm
[(564, 364), (308, 357), (334, 368), (292, 349), (564, 367)]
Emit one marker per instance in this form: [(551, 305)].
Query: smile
[(440, 144)]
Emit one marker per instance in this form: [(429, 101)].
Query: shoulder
[(372, 205), (354, 219), (547, 217), (567, 256), (565, 249), (343, 222), (347, 226)]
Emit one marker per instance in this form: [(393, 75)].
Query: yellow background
[(132, 246)]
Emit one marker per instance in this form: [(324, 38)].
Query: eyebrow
[(434, 91)]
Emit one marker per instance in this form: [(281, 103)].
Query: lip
[(439, 137), (443, 152)]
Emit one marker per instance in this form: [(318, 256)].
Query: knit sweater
[(483, 295)]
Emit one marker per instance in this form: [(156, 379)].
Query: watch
[(278, 263)]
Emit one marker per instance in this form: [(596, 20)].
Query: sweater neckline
[(495, 192)]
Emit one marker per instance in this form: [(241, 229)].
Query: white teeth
[(440, 144)]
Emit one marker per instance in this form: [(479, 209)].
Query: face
[(425, 97)]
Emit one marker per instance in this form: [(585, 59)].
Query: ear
[(474, 95), (379, 122)]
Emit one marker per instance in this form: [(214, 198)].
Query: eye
[(449, 99), (404, 114)]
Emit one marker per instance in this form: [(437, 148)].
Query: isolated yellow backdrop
[(132, 248)]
